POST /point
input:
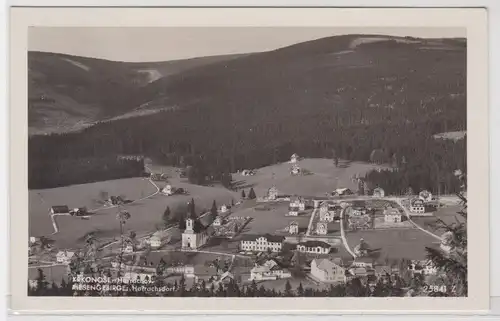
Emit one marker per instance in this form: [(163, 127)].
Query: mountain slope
[(353, 94), (68, 92)]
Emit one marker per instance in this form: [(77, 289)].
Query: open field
[(271, 221), (448, 214), (394, 243), (145, 214), (325, 178), (87, 195)]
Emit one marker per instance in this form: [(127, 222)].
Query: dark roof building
[(269, 237), (59, 209)]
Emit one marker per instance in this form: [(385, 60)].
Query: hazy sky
[(160, 44)]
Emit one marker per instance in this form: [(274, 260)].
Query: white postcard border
[(474, 20)]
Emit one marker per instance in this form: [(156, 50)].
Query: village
[(267, 237)]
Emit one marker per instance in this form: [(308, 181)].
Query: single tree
[(300, 290), (288, 288), (166, 216), (122, 216), (243, 195), (213, 211), (452, 260), (192, 209), (251, 194)]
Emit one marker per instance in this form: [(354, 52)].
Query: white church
[(192, 240)]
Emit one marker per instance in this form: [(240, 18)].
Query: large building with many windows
[(260, 243)]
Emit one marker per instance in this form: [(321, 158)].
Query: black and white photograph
[(243, 162)]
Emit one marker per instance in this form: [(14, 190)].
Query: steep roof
[(324, 264), (269, 237), (315, 244), (60, 209)]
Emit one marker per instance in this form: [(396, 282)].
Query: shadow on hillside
[(242, 184), (344, 164)]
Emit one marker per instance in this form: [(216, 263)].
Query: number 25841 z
[(436, 288)]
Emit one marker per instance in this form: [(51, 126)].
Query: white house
[(362, 262), (425, 267), (446, 242), (223, 208), (218, 221), (293, 211), (129, 248), (191, 239), (272, 193), (167, 190), (342, 192), (327, 271), (417, 206), (159, 238), (358, 211), (378, 192), (258, 243), (293, 228), (294, 158), (33, 240), (268, 272), (361, 249), (64, 256), (295, 170), (138, 278), (392, 215), (247, 172), (328, 212), (321, 228), (425, 196), (296, 206), (314, 247)]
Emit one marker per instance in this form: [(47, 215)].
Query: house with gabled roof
[(327, 271), (392, 215), (378, 192), (314, 247), (417, 206), (59, 209), (272, 193)]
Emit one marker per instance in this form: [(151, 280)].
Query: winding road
[(408, 215), (342, 234)]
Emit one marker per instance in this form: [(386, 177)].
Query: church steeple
[(189, 225)]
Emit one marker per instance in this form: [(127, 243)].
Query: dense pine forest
[(317, 99)]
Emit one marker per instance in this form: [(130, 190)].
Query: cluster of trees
[(430, 167), (353, 288), (251, 194), (49, 171)]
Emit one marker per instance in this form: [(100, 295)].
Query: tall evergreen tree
[(288, 289), (166, 216), (251, 194), (213, 211), (243, 195)]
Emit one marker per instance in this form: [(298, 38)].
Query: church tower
[(189, 226)]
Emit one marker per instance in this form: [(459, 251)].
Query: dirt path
[(342, 233)]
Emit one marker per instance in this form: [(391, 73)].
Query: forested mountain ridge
[(70, 92), (351, 94)]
